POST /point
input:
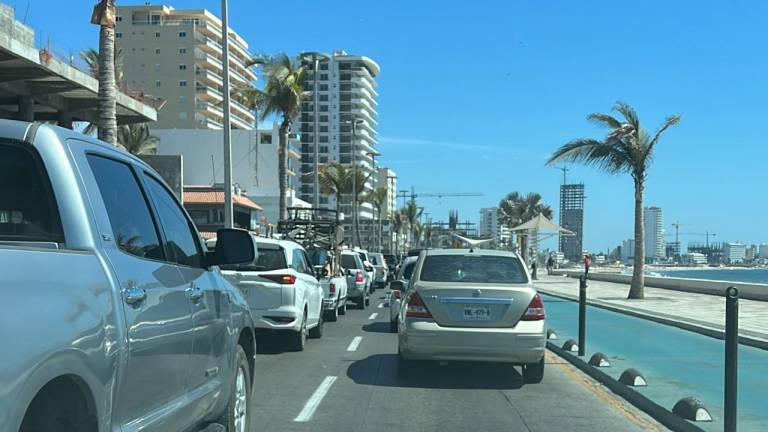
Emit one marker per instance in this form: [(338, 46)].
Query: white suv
[(282, 291)]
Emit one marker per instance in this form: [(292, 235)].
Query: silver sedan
[(474, 305)]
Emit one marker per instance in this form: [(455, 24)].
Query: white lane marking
[(314, 401), (373, 316), (355, 343), (381, 305)]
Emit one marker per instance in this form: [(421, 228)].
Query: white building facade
[(734, 252), (655, 243), (489, 222), (387, 178)]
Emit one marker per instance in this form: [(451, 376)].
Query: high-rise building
[(763, 250), (734, 252), (655, 244), (346, 92), (628, 251), (572, 219), (177, 55), (489, 222), (750, 253), (387, 178)]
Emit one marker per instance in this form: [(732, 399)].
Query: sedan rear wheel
[(298, 339), (362, 301), (533, 373)]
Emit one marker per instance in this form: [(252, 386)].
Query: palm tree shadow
[(387, 371)]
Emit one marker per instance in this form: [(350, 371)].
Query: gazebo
[(539, 228)]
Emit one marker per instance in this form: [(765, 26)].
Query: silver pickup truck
[(114, 316)]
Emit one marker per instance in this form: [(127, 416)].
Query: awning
[(541, 223)]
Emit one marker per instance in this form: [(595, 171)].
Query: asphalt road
[(349, 381)]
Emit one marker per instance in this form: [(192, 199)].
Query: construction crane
[(706, 234), (677, 226), (439, 195)]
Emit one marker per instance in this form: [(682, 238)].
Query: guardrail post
[(731, 357), (582, 313)]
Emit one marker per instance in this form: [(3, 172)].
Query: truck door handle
[(195, 293), (134, 295)]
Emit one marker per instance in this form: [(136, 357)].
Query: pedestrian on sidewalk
[(533, 269), (550, 264), (587, 264)]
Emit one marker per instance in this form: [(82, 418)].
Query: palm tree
[(516, 208), (379, 199), (137, 139), (626, 148), (104, 16), (91, 59), (398, 223), (282, 95), (337, 179), (453, 219), (412, 213)]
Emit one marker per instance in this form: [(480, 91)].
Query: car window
[(298, 262), (408, 270), (472, 268), (270, 258), (28, 209), (348, 261), (182, 240), (309, 265), (127, 208), (374, 260)]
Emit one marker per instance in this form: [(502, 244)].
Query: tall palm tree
[(137, 139), (412, 213), (282, 95), (398, 224), (626, 148), (516, 208), (379, 199), (104, 16), (91, 58), (338, 178)]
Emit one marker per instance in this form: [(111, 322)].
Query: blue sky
[(475, 96)]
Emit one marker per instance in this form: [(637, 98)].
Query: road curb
[(656, 411), (706, 331)]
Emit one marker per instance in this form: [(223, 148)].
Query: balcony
[(365, 83), (209, 77), (209, 94), (362, 103), (207, 61), (208, 45), (365, 115)]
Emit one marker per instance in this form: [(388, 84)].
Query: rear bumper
[(330, 304), (425, 340), (358, 290), (263, 318)]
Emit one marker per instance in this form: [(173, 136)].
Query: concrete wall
[(170, 168), (750, 291)]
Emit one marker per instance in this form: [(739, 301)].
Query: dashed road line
[(355, 343), (314, 401), (373, 316), (381, 305)]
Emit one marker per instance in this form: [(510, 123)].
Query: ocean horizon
[(726, 274)]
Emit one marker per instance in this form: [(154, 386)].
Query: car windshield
[(348, 261), (270, 258), (473, 268)]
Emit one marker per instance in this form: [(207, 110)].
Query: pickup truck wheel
[(361, 301), (367, 301), (393, 326), (332, 315), (298, 339), (237, 416), (343, 308), (317, 331), (533, 373)]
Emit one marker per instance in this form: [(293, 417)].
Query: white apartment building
[(387, 178), (346, 92), (177, 55), (734, 252), (655, 243), (489, 222), (762, 251), (628, 251), (254, 163)]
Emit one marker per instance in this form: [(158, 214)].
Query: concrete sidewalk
[(697, 312)]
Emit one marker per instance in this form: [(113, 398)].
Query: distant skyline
[(474, 99)]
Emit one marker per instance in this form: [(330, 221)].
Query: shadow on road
[(387, 371), (377, 327)]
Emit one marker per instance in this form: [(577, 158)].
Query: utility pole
[(228, 210)]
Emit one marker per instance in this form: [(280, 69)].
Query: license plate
[(477, 312)]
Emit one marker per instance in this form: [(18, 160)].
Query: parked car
[(381, 271), (368, 268), (282, 291), (397, 287), (111, 303), (473, 305), (357, 278), (332, 280)]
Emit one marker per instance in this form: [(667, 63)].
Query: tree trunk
[(637, 288), (107, 100), (282, 167)]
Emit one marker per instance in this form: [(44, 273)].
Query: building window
[(199, 217), (119, 18), (157, 67), (324, 77), (182, 99), (157, 83), (157, 34), (182, 34), (323, 118), (182, 83), (323, 98), (182, 50), (323, 66), (183, 115), (266, 138), (118, 35), (322, 139), (323, 128), (323, 87), (182, 67), (323, 108), (157, 50)]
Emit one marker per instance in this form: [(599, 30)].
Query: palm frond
[(592, 152), (604, 120), (629, 113)]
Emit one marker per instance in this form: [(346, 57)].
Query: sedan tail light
[(416, 307), (535, 311), (283, 279), (397, 294), (332, 288), (359, 277)]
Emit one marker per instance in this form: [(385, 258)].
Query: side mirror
[(368, 268), (233, 246), (397, 285), (348, 272)]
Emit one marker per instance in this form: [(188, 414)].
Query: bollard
[(582, 313), (731, 357)]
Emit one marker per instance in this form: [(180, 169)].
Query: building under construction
[(572, 219)]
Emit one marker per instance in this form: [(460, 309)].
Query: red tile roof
[(217, 197)]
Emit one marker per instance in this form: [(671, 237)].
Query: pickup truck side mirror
[(397, 285), (368, 268), (233, 246)]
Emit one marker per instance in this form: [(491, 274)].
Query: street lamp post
[(228, 210), (374, 229), (315, 57)]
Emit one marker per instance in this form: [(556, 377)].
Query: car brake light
[(332, 288), (535, 311), (416, 307), (397, 294), (359, 277), (283, 279)]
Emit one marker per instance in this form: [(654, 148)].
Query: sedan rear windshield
[(348, 262), (472, 268), (268, 260)]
